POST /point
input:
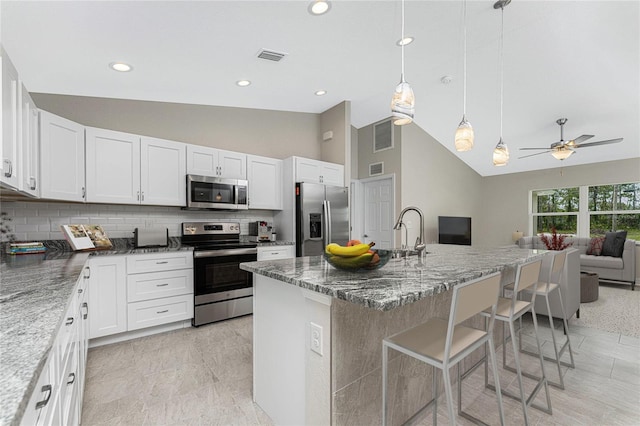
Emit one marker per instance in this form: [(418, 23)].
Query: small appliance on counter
[(259, 231), (151, 237)]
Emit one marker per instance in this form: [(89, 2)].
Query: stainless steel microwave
[(207, 192)]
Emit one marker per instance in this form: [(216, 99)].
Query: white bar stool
[(545, 289), (509, 310), (444, 343)]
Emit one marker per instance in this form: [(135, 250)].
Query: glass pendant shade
[(403, 104), (464, 136), (501, 154), (562, 153)]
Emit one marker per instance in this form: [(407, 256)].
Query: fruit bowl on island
[(356, 256)]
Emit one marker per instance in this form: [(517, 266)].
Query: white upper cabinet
[(265, 182), (163, 167), (29, 151), (112, 167), (315, 171), (61, 158), (205, 161), (10, 124)]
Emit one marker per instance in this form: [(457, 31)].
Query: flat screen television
[(454, 230)]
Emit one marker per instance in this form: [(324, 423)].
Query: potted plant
[(555, 241)]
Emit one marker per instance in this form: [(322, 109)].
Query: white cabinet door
[(205, 161), (10, 124), (29, 152), (202, 160), (61, 158), (107, 296), (232, 165), (162, 172), (265, 182), (308, 170), (113, 167), (332, 174)]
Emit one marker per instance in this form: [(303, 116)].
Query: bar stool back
[(444, 343)]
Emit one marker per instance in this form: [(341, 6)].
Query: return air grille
[(271, 55), (376, 169), (382, 136)]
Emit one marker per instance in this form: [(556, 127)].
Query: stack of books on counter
[(26, 248)]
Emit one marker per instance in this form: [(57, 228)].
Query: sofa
[(609, 268)]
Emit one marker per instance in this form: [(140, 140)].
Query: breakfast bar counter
[(318, 330)]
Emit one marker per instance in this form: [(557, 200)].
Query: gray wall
[(505, 199), (275, 134), (440, 184)]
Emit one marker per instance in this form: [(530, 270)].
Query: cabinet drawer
[(159, 262), (273, 253), (159, 311), (155, 285)]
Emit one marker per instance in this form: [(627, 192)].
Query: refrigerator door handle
[(325, 230), (328, 220)]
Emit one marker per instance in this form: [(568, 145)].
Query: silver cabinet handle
[(72, 377), (162, 285), (32, 182), (8, 168), (162, 263), (138, 195), (69, 321), (142, 198), (45, 401), (86, 306), (88, 272), (163, 312), (80, 291), (84, 192)]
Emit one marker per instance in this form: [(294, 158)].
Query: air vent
[(376, 169), (382, 136), (271, 55)]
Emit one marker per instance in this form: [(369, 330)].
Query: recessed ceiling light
[(120, 66), (405, 41), (319, 7), (243, 83), (321, 92)]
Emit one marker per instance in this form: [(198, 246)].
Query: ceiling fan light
[(562, 153), (403, 104), (464, 136), (500, 154)]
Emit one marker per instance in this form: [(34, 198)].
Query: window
[(615, 208), (587, 210), (557, 208)]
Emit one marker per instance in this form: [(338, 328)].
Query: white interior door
[(378, 212)]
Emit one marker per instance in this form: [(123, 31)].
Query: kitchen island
[(318, 331)]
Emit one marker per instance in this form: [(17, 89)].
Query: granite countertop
[(400, 281), (35, 292)]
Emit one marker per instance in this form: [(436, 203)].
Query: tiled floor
[(203, 376)]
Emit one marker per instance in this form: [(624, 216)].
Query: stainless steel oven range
[(221, 289)]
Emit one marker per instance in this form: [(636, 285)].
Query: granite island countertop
[(35, 292), (400, 281)]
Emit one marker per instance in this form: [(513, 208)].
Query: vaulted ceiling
[(573, 59)]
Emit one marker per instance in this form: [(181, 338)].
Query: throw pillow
[(595, 246), (614, 243)]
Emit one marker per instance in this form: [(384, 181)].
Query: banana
[(327, 250), (352, 251), (353, 262)]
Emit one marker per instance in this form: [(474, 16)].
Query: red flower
[(556, 241)]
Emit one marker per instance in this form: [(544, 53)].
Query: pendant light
[(403, 103), (464, 132), (501, 152)]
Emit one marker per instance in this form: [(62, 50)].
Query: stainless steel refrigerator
[(322, 217)]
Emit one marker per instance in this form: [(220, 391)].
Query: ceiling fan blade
[(607, 142), (580, 139), (531, 155), (522, 149)]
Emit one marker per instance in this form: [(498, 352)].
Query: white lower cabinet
[(107, 295), (57, 398), (276, 252), (159, 311)]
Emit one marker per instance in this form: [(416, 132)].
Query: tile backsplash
[(32, 221)]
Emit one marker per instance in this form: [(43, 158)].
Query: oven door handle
[(221, 253)]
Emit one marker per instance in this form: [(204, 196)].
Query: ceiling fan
[(562, 149)]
